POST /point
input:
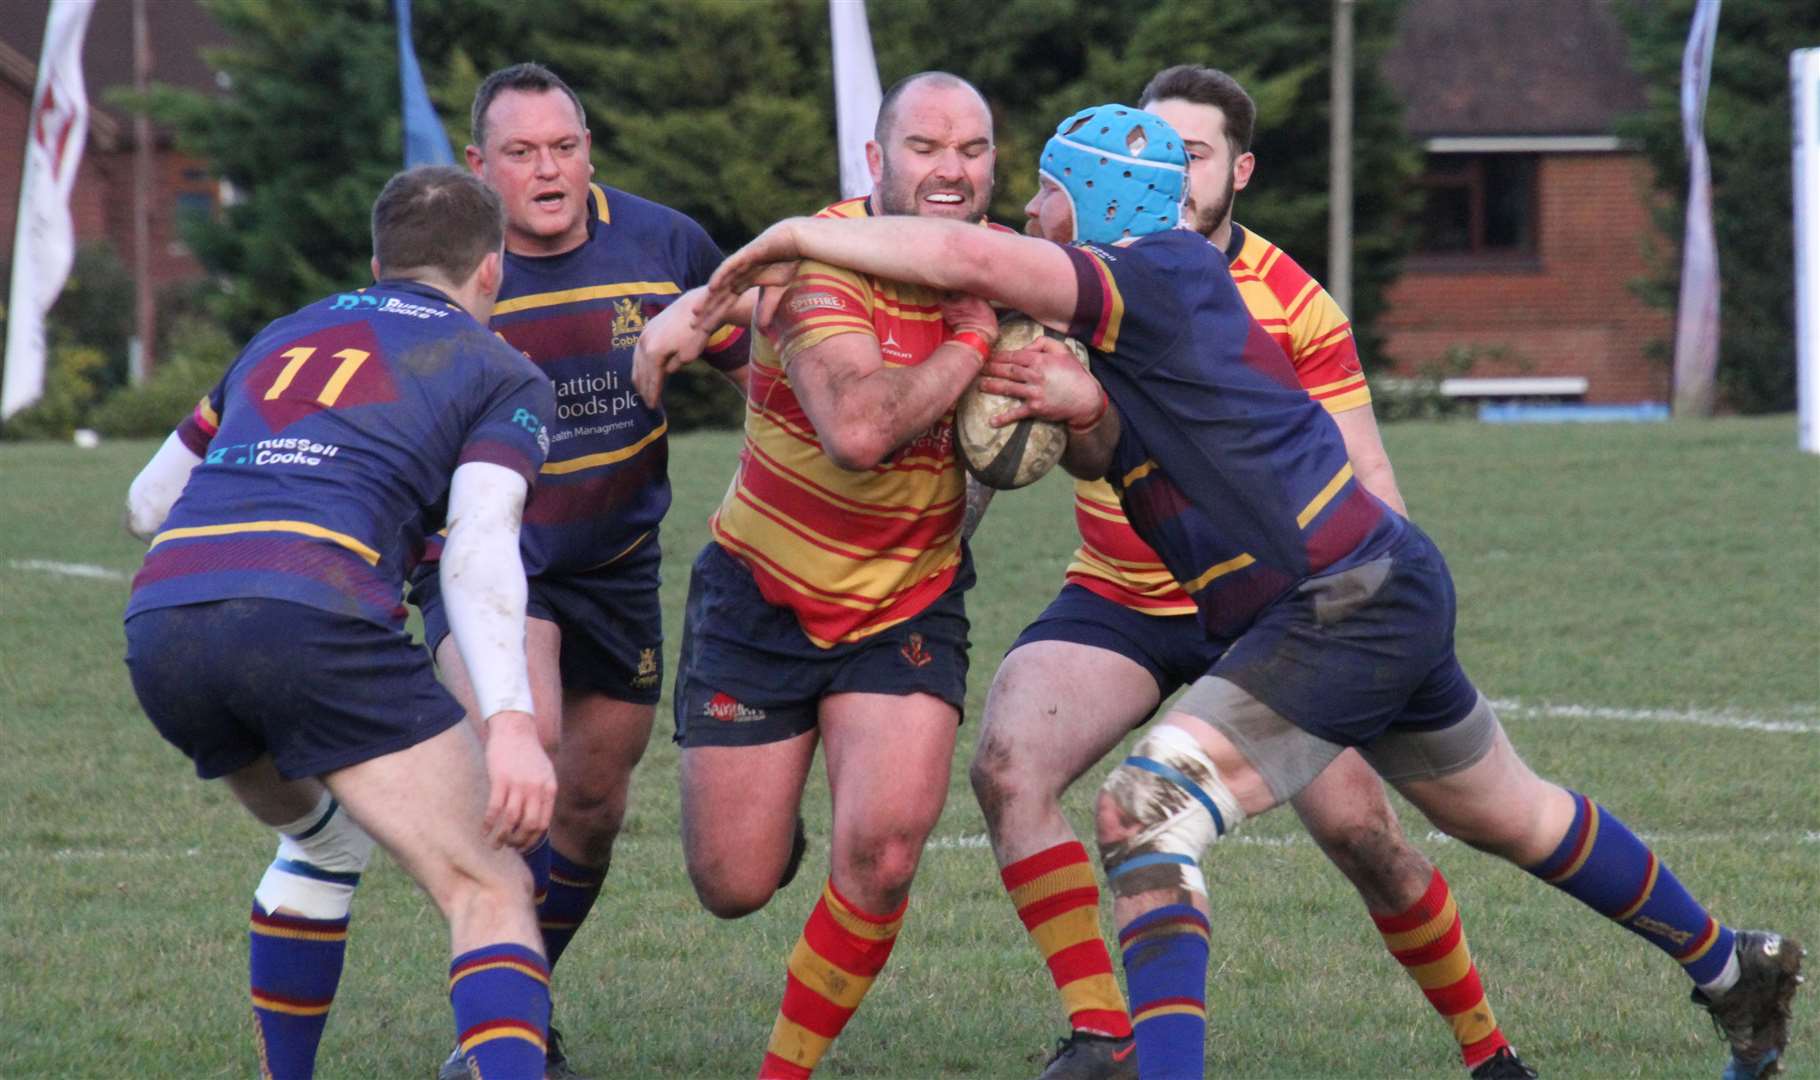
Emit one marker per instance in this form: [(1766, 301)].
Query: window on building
[(1478, 205), (195, 204)]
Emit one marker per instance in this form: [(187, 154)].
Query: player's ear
[(374, 264), (1241, 170), (875, 160), (490, 273), (474, 158)]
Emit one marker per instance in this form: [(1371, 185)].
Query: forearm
[(483, 585), (876, 413), (155, 490), (1370, 462), (1033, 276)]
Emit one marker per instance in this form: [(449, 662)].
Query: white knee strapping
[(1171, 789), (317, 867)]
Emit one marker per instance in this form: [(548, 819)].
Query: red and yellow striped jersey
[(1293, 309), (851, 553)]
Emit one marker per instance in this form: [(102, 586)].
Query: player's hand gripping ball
[(1016, 454)]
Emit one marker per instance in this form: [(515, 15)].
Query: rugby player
[(265, 636), (585, 266), (1121, 637), (828, 606)]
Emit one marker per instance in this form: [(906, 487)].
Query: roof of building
[(1511, 67)]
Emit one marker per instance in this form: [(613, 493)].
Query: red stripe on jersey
[(834, 500), (1342, 527)]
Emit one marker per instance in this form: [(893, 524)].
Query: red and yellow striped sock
[(1059, 902), (1430, 942), (841, 951)]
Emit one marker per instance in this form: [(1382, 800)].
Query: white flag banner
[(856, 92), (1697, 313), (1804, 67), (44, 245)]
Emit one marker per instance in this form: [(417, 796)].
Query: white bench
[(1520, 387)]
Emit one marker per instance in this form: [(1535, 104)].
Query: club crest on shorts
[(914, 653), (646, 675)]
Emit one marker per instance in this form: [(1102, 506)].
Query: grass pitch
[(1641, 599)]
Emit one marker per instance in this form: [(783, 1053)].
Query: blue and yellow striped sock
[(501, 995), (1165, 955), (1603, 865), (294, 966), (571, 893)]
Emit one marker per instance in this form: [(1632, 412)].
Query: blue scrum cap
[(1124, 171)]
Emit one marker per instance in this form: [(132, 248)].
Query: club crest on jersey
[(628, 323), (914, 654), (646, 675), (724, 708)]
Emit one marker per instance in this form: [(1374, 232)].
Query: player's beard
[(1206, 219), (894, 199)]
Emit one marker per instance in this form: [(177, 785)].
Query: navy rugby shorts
[(230, 680), (610, 618), (1351, 655), (1173, 648), (748, 675)]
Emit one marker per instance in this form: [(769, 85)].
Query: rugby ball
[(1016, 454)]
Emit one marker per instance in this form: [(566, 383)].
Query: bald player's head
[(932, 151), (942, 80)]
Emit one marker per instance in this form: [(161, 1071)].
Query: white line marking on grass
[(1291, 840), (1734, 721), (67, 569)]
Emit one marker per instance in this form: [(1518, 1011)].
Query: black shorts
[(1173, 648), (749, 675), (610, 618), (230, 680)]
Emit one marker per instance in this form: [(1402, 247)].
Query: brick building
[(1536, 215), (1534, 225), (101, 203)]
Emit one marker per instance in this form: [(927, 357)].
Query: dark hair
[(1208, 86), (529, 78), (437, 218), (887, 106)]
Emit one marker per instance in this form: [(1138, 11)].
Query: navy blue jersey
[(578, 315), (1224, 464), (327, 449)]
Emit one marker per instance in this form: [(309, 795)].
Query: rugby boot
[(1504, 1065), (555, 1061), (1754, 1014), (454, 1068), (1086, 1056)]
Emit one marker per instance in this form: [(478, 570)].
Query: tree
[(1747, 140), (724, 110), (299, 134)]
